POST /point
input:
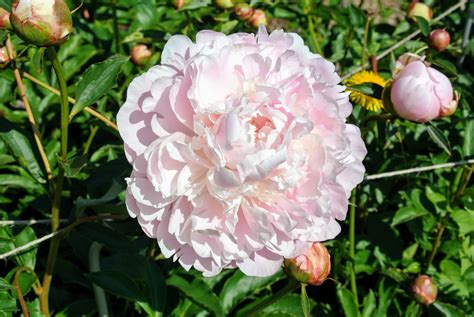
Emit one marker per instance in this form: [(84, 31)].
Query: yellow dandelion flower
[(369, 102)]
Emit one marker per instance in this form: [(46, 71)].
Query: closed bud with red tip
[(257, 18), (243, 11), (5, 19), (311, 267), (424, 289), (140, 54), (417, 9)]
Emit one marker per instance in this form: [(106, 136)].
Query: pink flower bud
[(311, 267), (41, 22), (224, 4), (424, 289), (257, 18), (5, 19), (419, 10), (419, 92), (439, 39), (243, 11), (140, 54)]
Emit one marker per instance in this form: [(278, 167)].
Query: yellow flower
[(368, 102)]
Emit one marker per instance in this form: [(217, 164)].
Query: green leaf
[(6, 4), (369, 89), (369, 304), (465, 221), (406, 214), (347, 301), (449, 310), (117, 283), (20, 147), (305, 306), (468, 146), (446, 66), (439, 138), (26, 258), (156, 286), (424, 25), (197, 291), (240, 286), (96, 82)]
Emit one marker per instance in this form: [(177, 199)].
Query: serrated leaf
[(197, 291), (439, 138), (96, 82), (347, 301), (20, 147), (424, 25)]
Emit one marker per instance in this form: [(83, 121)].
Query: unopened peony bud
[(419, 10), (140, 54), (439, 39), (224, 4), (243, 11), (424, 289), (5, 19), (257, 18), (311, 267), (178, 4), (41, 22), (420, 92)]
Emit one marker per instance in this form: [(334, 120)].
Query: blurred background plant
[(399, 228)]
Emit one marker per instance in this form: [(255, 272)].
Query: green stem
[(352, 220), (90, 139), (54, 246), (314, 39), (290, 287)]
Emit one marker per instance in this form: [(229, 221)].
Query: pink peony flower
[(241, 154), (421, 93), (312, 267)]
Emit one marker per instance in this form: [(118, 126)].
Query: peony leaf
[(240, 286), (6, 4), (20, 147), (468, 146), (439, 138), (117, 283), (197, 291), (369, 304), (347, 301), (448, 310), (96, 82), (424, 25), (406, 214)]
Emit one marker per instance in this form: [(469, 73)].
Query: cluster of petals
[(240, 149)]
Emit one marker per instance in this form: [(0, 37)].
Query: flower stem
[(116, 29), (290, 287), (352, 220), (54, 246), (29, 112)]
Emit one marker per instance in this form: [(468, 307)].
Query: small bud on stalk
[(439, 39), (243, 11), (419, 10), (224, 4), (258, 17), (4, 57), (5, 19), (311, 267), (420, 93), (140, 54), (41, 22), (424, 289)]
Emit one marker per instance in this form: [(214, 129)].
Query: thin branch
[(455, 7), (89, 110), (31, 118), (29, 222), (418, 169), (29, 245)]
